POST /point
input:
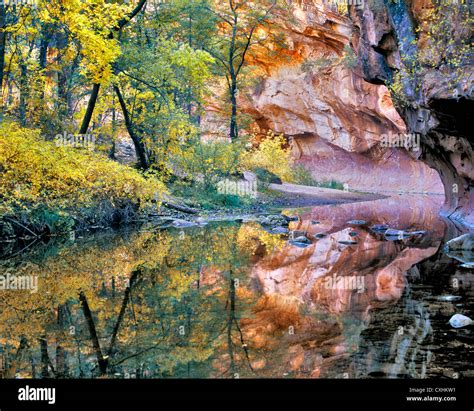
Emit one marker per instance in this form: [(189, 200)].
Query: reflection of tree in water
[(147, 305)]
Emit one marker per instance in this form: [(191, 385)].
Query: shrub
[(206, 162), (272, 154), (52, 181)]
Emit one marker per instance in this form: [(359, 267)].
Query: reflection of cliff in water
[(413, 338), (395, 326)]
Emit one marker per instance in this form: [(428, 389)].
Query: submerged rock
[(298, 244), (393, 234), (463, 242), (459, 320), (274, 220), (461, 249), (421, 232), (380, 228), (279, 230), (302, 239), (357, 222), (448, 298), (347, 242)]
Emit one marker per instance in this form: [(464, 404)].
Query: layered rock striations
[(317, 96), (424, 45), (327, 92)]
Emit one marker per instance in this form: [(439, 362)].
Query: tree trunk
[(96, 87), (60, 352), (43, 58), (44, 357), (11, 371), (63, 78), (234, 132), (90, 109), (137, 141), (230, 322), (23, 94), (103, 362), (118, 323)]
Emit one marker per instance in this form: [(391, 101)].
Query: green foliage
[(445, 46), (397, 87), (446, 27), (301, 175), (349, 59), (206, 163)]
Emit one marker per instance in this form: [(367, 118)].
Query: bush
[(273, 155), (266, 176), (206, 163), (44, 183)]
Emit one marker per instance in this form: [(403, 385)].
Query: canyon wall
[(327, 92), (315, 94), (424, 44)]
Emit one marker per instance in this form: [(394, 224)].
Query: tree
[(162, 80), (242, 25), (3, 41), (96, 87)]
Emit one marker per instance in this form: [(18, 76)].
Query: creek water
[(229, 300)]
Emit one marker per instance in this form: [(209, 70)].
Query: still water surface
[(228, 300)]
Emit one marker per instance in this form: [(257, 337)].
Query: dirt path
[(301, 196)]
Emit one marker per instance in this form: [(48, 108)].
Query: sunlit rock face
[(439, 110), (316, 95)]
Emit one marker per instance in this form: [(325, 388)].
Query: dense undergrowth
[(47, 189)]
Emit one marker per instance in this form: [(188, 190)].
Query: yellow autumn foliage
[(272, 154), (251, 236), (34, 171)]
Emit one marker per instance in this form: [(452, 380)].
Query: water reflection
[(229, 300)]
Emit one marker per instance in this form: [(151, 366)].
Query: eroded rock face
[(317, 96), (437, 107), (336, 108)]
